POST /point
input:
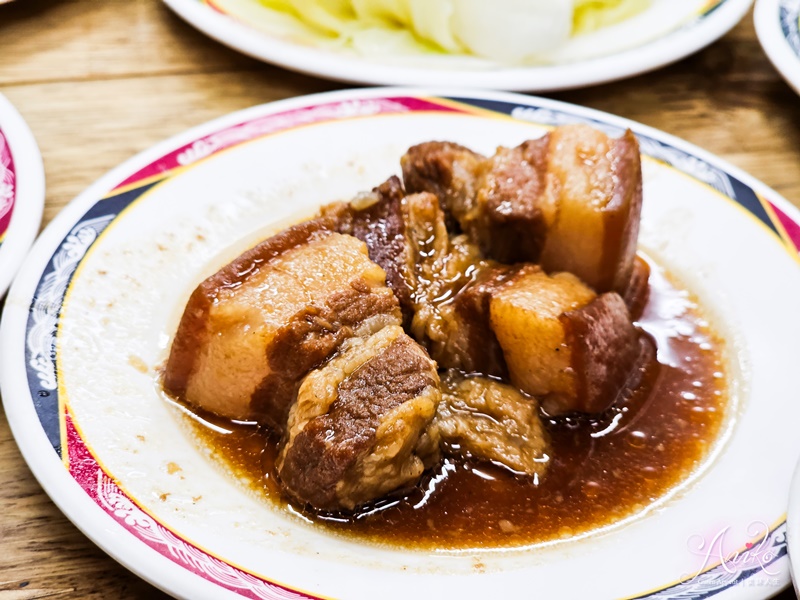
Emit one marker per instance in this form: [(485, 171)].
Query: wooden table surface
[(100, 81)]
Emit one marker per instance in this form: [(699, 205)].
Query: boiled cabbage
[(591, 15), (509, 31)]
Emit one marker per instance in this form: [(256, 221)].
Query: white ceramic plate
[(778, 30), (21, 191), (666, 32), (89, 320)]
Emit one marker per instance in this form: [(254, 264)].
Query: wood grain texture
[(76, 40), (85, 129), (99, 81)]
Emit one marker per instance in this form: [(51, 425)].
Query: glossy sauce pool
[(602, 470)]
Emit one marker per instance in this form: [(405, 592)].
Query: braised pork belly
[(378, 219), (564, 343), (474, 340), (500, 202), (491, 421), (514, 276), (251, 331), (570, 200), (426, 268), (638, 291), (359, 428)]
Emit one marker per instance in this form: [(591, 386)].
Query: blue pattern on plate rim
[(47, 302), (789, 15), (45, 308)]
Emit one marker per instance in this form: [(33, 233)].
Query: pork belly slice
[(378, 219), (359, 429), (407, 236), (427, 269), (449, 285), (251, 331), (599, 182), (492, 421), (570, 200), (443, 266), (638, 292), (500, 202), (563, 343), (472, 346)]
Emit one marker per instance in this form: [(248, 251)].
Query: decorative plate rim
[(36, 449), (778, 33), (27, 172), (660, 52)]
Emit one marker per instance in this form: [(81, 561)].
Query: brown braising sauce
[(602, 469)]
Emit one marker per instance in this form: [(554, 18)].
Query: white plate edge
[(773, 41)]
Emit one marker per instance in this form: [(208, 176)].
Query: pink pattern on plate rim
[(105, 492), (7, 185), (789, 225), (281, 121)]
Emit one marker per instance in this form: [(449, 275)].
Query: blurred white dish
[(664, 33), (21, 191), (778, 30)]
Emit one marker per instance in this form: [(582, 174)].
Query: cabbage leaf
[(531, 28), (591, 15)]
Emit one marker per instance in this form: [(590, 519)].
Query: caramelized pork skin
[(607, 352), (251, 331), (491, 421), (360, 427), (570, 200), (377, 219), (564, 343)]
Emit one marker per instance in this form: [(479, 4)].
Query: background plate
[(21, 191), (88, 323), (778, 30), (586, 62)]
